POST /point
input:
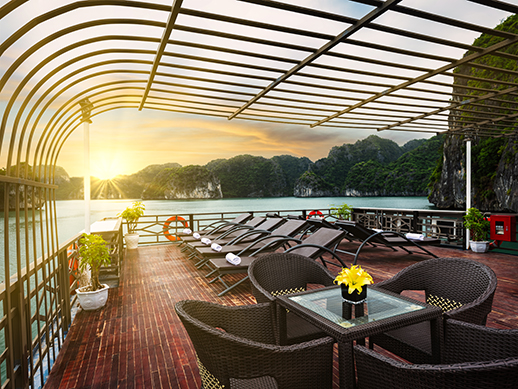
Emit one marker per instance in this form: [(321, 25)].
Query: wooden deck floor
[(137, 341)]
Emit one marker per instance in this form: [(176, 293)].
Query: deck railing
[(445, 225), (41, 301)]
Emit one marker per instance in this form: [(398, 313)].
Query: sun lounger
[(218, 226), (314, 246), (389, 239), (289, 229), (231, 233), (216, 233), (246, 233)]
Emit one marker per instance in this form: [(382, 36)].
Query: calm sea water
[(71, 212)]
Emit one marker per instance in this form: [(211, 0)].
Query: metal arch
[(467, 59), (73, 121), (75, 5), (298, 83), (498, 5), (453, 106), (70, 7), (328, 46), (71, 128), (40, 44), (344, 19), (163, 43), (442, 19), (51, 100), (45, 79), (57, 117)]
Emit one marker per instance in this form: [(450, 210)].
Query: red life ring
[(73, 261), (315, 213), (165, 229)]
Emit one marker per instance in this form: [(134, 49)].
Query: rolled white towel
[(215, 247), (233, 259), (196, 235), (414, 236), (187, 231), (377, 230), (205, 241)]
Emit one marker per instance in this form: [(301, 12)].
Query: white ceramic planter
[(90, 301), (131, 241), (479, 247)]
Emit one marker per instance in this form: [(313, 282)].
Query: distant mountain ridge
[(370, 167)]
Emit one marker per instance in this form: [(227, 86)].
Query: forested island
[(370, 167)]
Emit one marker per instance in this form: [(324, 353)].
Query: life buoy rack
[(315, 213), (165, 229)]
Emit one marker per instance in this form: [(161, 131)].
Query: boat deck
[(137, 341)]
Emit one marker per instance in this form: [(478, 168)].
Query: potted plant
[(353, 281), (478, 227), (132, 214), (93, 253), (342, 212)]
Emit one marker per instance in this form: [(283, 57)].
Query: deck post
[(64, 289), (468, 185)]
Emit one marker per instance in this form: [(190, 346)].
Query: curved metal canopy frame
[(214, 71)]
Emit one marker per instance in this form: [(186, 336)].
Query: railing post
[(64, 288), (191, 222), (415, 221), (20, 350), (121, 245)]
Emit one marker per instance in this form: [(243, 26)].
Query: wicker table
[(384, 311)]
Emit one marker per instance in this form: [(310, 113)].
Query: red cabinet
[(503, 228)]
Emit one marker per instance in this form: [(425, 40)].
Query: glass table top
[(329, 304)]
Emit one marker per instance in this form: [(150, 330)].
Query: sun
[(105, 169)]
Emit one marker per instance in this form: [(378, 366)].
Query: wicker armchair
[(236, 348), (285, 273), (463, 288), (474, 357)]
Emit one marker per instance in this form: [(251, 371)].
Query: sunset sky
[(124, 141)]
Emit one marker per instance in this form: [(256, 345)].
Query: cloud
[(130, 140)]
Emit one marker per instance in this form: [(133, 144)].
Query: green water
[(71, 213)]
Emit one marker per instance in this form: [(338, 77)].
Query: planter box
[(90, 301), (479, 247), (131, 241)]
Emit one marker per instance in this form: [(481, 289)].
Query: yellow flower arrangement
[(355, 278)]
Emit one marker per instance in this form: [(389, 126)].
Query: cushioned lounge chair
[(285, 273), (233, 231), (314, 246), (236, 349), (463, 288), (217, 226), (475, 357), (389, 239), (289, 229), (245, 234)]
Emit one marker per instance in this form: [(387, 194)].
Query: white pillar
[(468, 183), (86, 135)]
